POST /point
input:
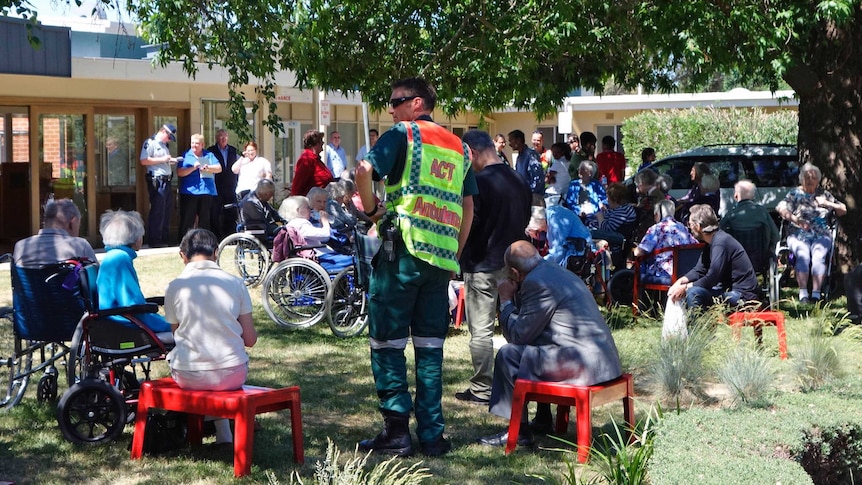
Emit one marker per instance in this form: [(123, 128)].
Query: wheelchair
[(107, 362), (37, 328), (55, 320), (297, 292), (245, 253), (347, 300), (783, 263)]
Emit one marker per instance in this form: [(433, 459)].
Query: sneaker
[(468, 396)]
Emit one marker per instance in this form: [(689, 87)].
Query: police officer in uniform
[(156, 157), (428, 214)]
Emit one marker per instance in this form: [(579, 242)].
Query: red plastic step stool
[(758, 320), (567, 395), (241, 406), (459, 309)]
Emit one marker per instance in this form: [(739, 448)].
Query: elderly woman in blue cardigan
[(117, 283)]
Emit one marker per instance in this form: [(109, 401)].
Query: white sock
[(223, 434), (815, 295), (803, 293)]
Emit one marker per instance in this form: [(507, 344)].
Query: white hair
[(121, 228), (289, 209)]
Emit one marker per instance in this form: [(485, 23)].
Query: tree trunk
[(828, 81)]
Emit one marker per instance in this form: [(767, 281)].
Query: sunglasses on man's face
[(396, 102)]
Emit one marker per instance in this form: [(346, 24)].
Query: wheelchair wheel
[(15, 362), (245, 256), (294, 293), (346, 305), (620, 287), (91, 412), (774, 284), (46, 391)]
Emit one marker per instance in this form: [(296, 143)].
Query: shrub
[(352, 472), (817, 360), (673, 131), (613, 459), (833, 455), (680, 362), (748, 374)]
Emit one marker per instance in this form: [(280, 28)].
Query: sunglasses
[(396, 102)]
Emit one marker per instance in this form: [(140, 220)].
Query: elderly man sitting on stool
[(555, 334)]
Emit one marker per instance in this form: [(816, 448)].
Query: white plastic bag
[(674, 320)]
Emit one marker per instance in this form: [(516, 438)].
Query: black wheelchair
[(347, 299), (245, 253), (55, 321)]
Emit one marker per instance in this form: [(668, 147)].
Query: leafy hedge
[(811, 438), (677, 130)]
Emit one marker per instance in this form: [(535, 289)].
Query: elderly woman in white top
[(209, 311), (297, 211), (807, 208)]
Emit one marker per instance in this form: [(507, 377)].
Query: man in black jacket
[(223, 221), (501, 211)]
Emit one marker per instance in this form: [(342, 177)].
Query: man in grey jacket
[(555, 334)]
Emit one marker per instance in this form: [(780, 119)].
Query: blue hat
[(172, 131)]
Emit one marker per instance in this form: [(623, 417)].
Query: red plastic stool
[(758, 320), (567, 395), (459, 309), (241, 406)]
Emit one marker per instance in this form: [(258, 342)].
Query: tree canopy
[(486, 54)]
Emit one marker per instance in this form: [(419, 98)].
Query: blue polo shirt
[(194, 183)]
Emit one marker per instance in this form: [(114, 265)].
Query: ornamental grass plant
[(749, 375)]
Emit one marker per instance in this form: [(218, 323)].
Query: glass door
[(63, 162), (116, 161)]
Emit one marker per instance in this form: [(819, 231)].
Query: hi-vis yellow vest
[(428, 198)]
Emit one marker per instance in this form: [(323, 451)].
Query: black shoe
[(525, 438), (394, 439), (468, 396), (542, 425), (438, 447)]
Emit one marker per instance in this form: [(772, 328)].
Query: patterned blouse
[(586, 199), (666, 233), (805, 207)]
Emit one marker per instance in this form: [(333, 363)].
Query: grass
[(339, 404)]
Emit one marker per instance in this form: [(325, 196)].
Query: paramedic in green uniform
[(424, 223)]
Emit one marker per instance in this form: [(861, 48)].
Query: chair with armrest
[(685, 258)]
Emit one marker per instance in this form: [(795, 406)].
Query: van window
[(775, 172), (779, 171), (679, 170)]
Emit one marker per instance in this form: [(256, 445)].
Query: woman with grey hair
[(586, 196), (808, 208), (339, 207), (117, 283), (666, 232)]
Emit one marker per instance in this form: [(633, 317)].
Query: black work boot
[(394, 439)]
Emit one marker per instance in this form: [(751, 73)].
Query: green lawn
[(338, 400)]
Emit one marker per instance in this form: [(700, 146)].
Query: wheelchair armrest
[(145, 308), (308, 246), (158, 300)]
